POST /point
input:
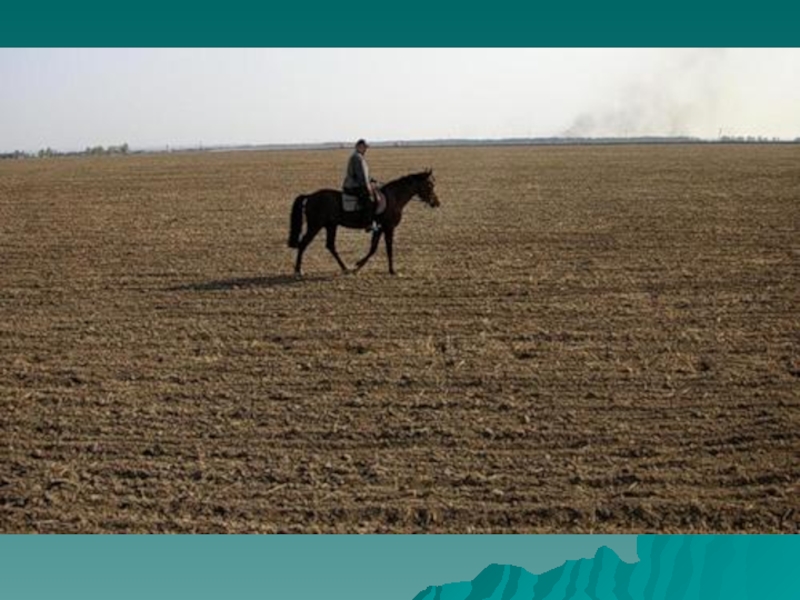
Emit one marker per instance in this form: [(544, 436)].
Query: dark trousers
[(364, 199)]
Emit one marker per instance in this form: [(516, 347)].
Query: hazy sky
[(73, 98)]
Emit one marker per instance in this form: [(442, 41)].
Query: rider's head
[(361, 146)]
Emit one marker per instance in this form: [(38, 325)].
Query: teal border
[(342, 567), (120, 567), (420, 23)]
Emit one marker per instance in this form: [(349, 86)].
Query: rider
[(358, 183)]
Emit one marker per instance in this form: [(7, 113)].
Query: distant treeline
[(124, 149), (750, 139), (550, 141), (591, 141), (49, 152)]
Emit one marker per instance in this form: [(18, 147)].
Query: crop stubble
[(581, 339)]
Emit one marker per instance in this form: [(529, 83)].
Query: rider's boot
[(372, 227)]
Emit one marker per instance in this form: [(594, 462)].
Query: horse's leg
[(376, 238), (389, 243), (311, 231), (331, 245)]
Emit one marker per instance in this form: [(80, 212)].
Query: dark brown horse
[(323, 210)]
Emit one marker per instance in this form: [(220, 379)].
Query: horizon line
[(411, 143)]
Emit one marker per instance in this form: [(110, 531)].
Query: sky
[(69, 99), (388, 567)]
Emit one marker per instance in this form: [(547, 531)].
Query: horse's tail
[(296, 224)]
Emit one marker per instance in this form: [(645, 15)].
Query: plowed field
[(579, 339)]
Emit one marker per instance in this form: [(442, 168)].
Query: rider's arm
[(363, 174)]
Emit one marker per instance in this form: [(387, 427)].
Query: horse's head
[(417, 184), (425, 191)]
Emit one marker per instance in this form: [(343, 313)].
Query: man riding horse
[(358, 183), (324, 209)]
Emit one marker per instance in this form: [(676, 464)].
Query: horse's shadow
[(238, 283)]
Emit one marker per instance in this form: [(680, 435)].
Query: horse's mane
[(406, 179)]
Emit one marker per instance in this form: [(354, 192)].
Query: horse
[(323, 210)]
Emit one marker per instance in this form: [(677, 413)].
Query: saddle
[(352, 203)]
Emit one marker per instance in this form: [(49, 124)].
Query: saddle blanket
[(350, 203)]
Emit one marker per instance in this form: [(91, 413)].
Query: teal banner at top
[(412, 23)]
